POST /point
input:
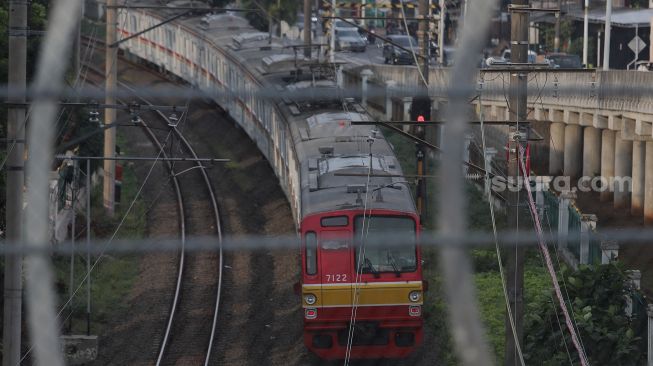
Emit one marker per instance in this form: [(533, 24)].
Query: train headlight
[(414, 296), (310, 299)]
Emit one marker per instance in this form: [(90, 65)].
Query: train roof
[(334, 154)]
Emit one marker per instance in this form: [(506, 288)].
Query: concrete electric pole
[(441, 31), (517, 139), (307, 28), (585, 31), (13, 282), (111, 70), (556, 40), (608, 32)]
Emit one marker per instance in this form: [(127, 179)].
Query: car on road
[(348, 39), (395, 55), (564, 61)]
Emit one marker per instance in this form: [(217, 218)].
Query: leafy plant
[(596, 298)]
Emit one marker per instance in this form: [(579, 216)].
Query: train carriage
[(343, 181)]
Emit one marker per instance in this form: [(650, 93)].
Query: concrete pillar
[(466, 153), (490, 152), (609, 251), (365, 75), (564, 200), (587, 226), (637, 195), (648, 186), (408, 101), (623, 166), (591, 149), (556, 145), (607, 163), (572, 154), (389, 88)]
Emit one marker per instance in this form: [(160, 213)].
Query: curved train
[(359, 299)]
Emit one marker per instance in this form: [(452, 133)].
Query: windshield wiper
[(392, 261), (367, 263)]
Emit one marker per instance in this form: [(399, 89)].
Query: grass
[(114, 275)]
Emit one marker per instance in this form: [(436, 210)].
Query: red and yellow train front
[(359, 293)]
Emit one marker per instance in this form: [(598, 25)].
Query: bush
[(596, 298)]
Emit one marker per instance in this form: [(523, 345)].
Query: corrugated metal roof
[(625, 18)]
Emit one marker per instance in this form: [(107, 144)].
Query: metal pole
[(77, 47), (606, 40), (72, 252), (517, 137), (332, 43), (13, 291), (598, 50), (556, 40), (88, 246), (585, 32), (423, 39), (422, 165), (441, 31), (111, 70), (307, 28)]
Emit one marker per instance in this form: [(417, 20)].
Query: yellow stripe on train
[(365, 294)]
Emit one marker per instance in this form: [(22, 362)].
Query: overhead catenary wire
[(549, 264), (361, 260)]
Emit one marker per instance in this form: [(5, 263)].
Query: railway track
[(187, 324)]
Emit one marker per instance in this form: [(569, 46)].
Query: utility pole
[(421, 106), (77, 47), (111, 70), (13, 282), (608, 31), (307, 28), (441, 31), (585, 31), (332, 43), (556, 40), (423, 39), (518, 136)]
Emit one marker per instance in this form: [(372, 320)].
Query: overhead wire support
[(141, 158)]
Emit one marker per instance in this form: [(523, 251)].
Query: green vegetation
[(277, 9), (597, 299), (595, 295), (114, 275)]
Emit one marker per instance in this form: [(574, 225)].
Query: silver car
[(349, 39)]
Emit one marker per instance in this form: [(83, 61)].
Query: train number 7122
[(336, 277)]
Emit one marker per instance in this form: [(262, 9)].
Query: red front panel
[(381, 331)]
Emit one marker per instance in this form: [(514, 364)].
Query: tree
[(597, 300), (278, 9)]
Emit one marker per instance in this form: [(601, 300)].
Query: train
[(359, 299)]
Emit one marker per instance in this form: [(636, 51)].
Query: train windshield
[(379, 257)]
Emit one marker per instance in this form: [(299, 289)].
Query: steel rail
[(218, 226)]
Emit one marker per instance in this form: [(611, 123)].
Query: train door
[(335, 264)]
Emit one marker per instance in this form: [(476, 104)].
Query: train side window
[(311, 253), (334, 221)]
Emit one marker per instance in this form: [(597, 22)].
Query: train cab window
[(381, 257), (334, 221), (311, 253)]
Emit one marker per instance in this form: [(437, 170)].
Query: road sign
[(636, 45)]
